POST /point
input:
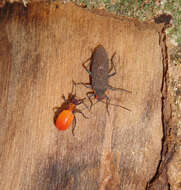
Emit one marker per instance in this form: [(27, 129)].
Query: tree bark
[(42, 49)]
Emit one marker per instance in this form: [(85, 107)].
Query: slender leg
[(79, 111), (81, 101), (87, 85), (74, 87), (55, 109), (89, 95), (63, 96), (112, 74), (66, 101), (108, 100), (109, 103), (74, 125), (121, 107), (112, 66), (86, 67), (114, 88), (85, 105)]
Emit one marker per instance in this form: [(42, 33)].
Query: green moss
[(143, 10)]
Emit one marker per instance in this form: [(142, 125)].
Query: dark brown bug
[(99, 75), (65, 115)]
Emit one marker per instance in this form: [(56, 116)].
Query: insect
[(65, 115), (99, 74)]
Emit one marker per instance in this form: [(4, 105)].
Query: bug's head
[(74, 100)]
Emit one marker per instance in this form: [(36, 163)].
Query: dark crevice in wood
[(160, 180)]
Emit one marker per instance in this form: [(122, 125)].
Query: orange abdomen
[(64, 120)]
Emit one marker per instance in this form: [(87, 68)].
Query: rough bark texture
[(42, 49), (174, 125)]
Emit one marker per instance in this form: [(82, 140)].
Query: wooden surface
[(42, 49)]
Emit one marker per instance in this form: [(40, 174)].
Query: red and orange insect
[(65, 115)]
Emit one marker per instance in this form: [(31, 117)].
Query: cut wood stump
[(42, 49)]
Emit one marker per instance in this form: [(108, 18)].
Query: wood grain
[(42, 49)]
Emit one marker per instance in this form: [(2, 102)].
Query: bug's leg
[(66, 101), (85, 105), (108, 100), (112, 62), (74, 125), (86, 67), (55, 109), (109, 103), (114, 88), (64, 97), (73, 87), (112, 66), (89, 95), (79, 111), (87, 85), (81, 101)]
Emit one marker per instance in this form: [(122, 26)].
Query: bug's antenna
[(117, 106), (74, 87)]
